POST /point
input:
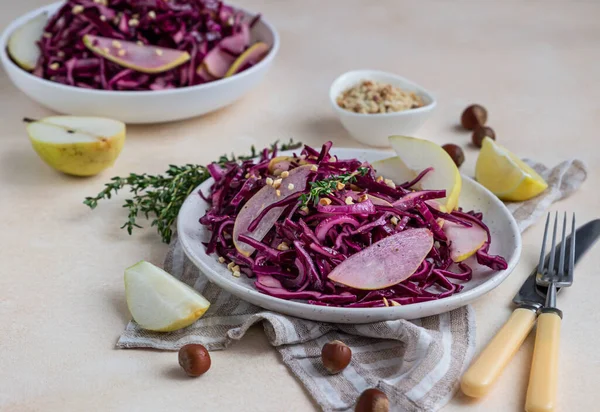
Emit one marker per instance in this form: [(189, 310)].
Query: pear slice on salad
[(22, 44), (77, 145), (385, 263), (144, 59), (464, 241), (418, 155), (266, 197), (252, 55)]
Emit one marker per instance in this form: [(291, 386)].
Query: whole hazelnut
[(473, 116), (336, 355), (372, 400), (455, 152), (194, 359), (480, 133)]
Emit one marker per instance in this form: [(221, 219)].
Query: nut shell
[(473, 117), (194, 359), (336, 355), (372, 400)]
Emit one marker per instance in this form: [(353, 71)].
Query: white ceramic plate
[(506, 241), (139, 106)]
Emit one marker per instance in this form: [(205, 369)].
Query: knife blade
[(532, 295)]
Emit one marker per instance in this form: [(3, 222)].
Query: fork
[(541, 392)]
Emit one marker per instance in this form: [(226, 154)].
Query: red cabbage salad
[(191, 42), (331, 232)]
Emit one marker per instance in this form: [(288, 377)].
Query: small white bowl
[(139, 106), (374, 129)]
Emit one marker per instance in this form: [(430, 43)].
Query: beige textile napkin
[(416, 363)]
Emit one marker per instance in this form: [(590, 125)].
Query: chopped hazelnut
[(102, 17), (314, 168), (269, 181), (158, 52), (54, 66), (285, 174), (333, 159), (394, 220), (349, 201), (152, 14), (135, 23), (324, 201), (283, 246), (379, 179), (221, 259), (247, 176), (121, 52), (235, 268), (77, 9), (230, 265), (278, 193), (237, 274), (290, 186), (116, 44), (390, 183), (277, 183), (363, 198), (340, 186), (304, 209), (385, 301), (394, 303)]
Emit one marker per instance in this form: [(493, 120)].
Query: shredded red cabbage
[(294, 258), (196, 26)]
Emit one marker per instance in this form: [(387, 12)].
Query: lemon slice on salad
[(159, 302), (505, 175)]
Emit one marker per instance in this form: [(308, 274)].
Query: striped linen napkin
[(416, 363)]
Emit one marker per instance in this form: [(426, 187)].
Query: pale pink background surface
[(534, 65)]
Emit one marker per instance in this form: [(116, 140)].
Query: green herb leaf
[(159, 197)]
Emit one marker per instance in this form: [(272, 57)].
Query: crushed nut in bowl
[(371, 97)]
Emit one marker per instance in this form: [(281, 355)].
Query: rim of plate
[(480, 290)]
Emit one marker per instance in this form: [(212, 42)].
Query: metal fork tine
[(572, 252), (543, 252), (553, 250), (563, 248)]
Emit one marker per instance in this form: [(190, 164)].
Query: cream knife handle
[(482, 374), (541, 393)]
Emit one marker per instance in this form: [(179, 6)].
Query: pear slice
[(254, 54), (418, 154), (266, 197), (385, 263), (464, 241), (80, 146), (159, 302), (22, 44), (144, 59)]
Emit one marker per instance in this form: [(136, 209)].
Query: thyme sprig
[(159, 197), (329, 185)]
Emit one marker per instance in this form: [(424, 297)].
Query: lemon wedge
[(159, 302), (505, 175)]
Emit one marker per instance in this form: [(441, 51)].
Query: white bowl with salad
[(327, 235), (139, 62)]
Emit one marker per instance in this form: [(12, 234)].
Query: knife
[(482, 374)]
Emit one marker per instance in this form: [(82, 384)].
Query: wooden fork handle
[(482, 374), (541, 393)]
